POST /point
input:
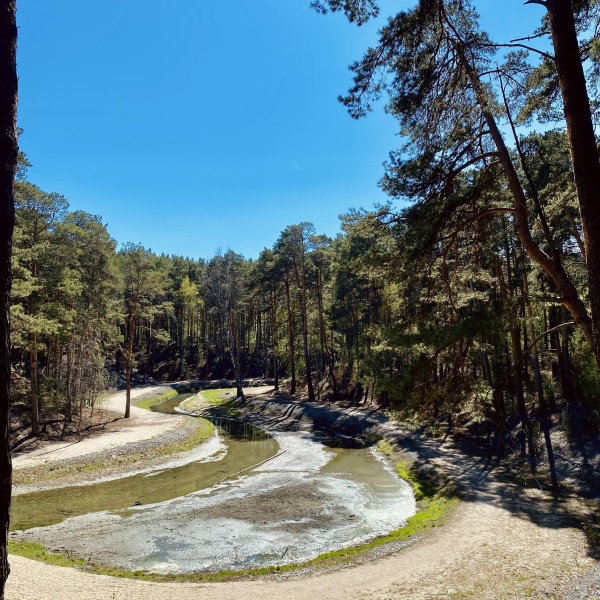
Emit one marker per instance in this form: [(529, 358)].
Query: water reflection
[(246, 446)]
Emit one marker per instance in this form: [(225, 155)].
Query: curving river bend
[(306, 499)]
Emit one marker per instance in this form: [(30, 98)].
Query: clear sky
[(191, 125)]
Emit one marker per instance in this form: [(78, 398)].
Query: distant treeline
[(420, 309)]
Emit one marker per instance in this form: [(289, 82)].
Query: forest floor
[(505, 540)]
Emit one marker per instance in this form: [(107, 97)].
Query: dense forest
[(472, 298), (435, 309)]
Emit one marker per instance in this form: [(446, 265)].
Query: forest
[(435, 310), (470, 301), (467, 296)]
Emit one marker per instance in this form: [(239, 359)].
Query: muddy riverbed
[(307, 499)]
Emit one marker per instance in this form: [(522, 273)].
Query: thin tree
[(294, 244)]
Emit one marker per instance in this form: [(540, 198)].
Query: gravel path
[(142, 425)]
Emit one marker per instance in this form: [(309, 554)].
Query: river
[(223, 512)]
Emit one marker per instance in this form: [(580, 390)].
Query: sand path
[(502, 542), (142, 425)]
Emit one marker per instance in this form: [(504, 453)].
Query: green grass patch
[(215, 397), (217, 401), (37, 551), (148, 402), (422, 488)]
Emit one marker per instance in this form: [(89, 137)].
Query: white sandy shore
[(141, 425)]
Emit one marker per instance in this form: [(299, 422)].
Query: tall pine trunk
[(291, 334), (544, 417), (274, 343), (235, 350), (583, 145), (33, 376), (304, 315), (8, 162), (129, 364)]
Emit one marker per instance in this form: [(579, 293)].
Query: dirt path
[(502, 542), (142, 425)]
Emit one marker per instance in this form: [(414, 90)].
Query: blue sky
[(195, 125)]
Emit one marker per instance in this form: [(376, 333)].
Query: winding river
[(251, 500)]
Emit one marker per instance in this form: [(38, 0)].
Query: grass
[(37, 551), (215, 399), (148, 402), (434, 504)]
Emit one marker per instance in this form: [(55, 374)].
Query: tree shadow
[(481, 477), (478, 476)]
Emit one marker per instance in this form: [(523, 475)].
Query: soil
[(505, 540)]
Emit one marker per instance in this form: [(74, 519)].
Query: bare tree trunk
[(274, 343), (565, 357), (526, 429), (291, 338), (33, 375), (69, 385), (545, 422), (148, 353), (128, 364), (235, 352), (325, 349), (79, 388), (309, 383), (582, 141), (8, 162)]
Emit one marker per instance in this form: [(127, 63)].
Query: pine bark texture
[(8, 162), (582, 141)]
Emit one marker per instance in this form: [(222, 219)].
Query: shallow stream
[(235, 447), (307, 500)]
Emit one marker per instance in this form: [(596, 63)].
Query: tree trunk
[(526, 429), (69, 389), (148, 354), (128, 364), (545, 421), (236, 354), (8, 162), (582, 141), (309, 383), (565, 357), (181, 344), (33, 376), (291, 338), (274, 343), (327, 351)]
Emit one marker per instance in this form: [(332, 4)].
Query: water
[(305, 500), (245, 446)]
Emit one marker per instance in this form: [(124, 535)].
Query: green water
[(169, 405), (246, 446)]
